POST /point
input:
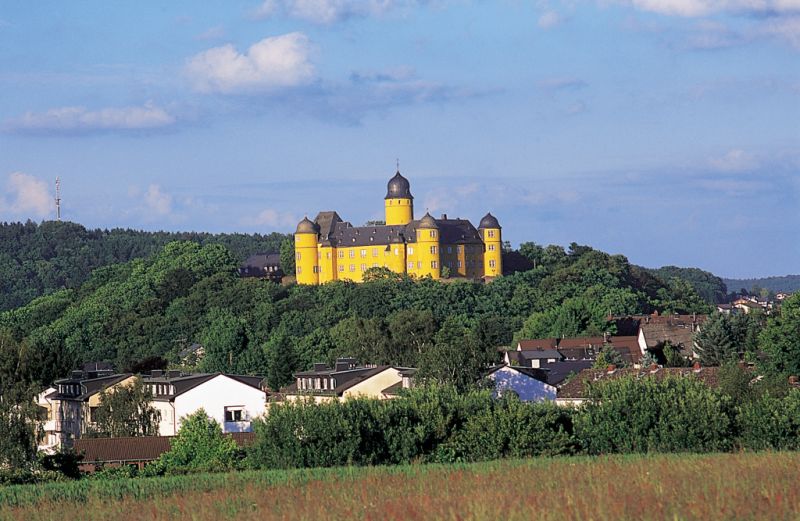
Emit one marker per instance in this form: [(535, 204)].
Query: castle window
[(491, 233), (363, 267), (458, 263), (328, 255), (298, 255), (374, 264), (352, 254), (449, 249), (491, 247), (363, 253), (459, 249), (397, 251), (433, 250), (433, 234), (341, 267), (316, 269), (374, 252), (341, 254), (434, 264), (419, 265), (411, 265), (492, 263), (299, 270), (352, 267), (410, 250)]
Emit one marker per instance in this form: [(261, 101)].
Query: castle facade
[(329, 248)]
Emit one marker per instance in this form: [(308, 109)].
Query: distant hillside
[(712, 288), (787, 283), (37, 259)]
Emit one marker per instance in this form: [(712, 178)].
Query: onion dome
[(428, 222), (307, 226), (489, 221), (398, 188)]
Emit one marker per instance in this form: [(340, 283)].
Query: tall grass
[(722, 486)]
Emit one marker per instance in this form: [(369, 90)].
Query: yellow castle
[(328, 248)]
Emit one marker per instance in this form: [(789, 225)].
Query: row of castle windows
[(434, 265), (363, 252)]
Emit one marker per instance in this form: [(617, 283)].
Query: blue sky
[(665, 130)]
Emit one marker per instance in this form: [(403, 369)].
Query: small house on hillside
[(262, 265), (529, 384)]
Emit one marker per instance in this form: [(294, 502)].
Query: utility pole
[(58, 198)]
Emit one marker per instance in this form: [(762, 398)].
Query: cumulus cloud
[(26, 196), (694, 8), (735, 160), (81, 119), (329, 11), (212, 33), (274, 62), (272, 218), (156, 201)]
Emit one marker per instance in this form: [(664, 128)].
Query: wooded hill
[(37, 259), (190, 293)]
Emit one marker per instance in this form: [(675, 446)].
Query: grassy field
[(719, 486)]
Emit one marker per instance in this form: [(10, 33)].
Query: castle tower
[(306, 256), (428, 245), (399, 202), (493, 242)]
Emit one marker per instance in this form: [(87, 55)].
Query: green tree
[(608, 356), (288, 255), (199, 446), (126, 410), (281, 361), (224, 340), (456, 358), (716, 342), (780, 340)]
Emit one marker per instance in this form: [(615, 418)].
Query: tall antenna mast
[(58, 198)]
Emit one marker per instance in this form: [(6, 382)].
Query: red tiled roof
[(577, 387), (137, 448)]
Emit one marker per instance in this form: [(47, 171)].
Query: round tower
[(305, 249), (428, 254), (399, 202), (492, 246)]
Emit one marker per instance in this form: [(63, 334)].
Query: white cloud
[(72, 119), (735, 160), (29, 196), (694, 8), (329, 11), (157, 202), (550, 19), (212, 33), (787, 29), (272, 218), (274, 62)]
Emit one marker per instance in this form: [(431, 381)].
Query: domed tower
[(428, 247), (399, 202), (493, 246), (305, 249)]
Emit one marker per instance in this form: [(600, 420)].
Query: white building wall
[(528, 389), (167, 423), (217, 394)]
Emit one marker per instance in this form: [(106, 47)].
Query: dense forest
[(37, 259), (787, 283), (190, 293), (710, 287)]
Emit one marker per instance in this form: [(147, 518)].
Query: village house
[(575, 391), (346, 379), (529, 384), (263, 266)]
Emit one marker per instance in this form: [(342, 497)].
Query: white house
[(232, 400), (525, 382)]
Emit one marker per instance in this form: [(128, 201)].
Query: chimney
[(156, 373), (444, 216), (611, 368), (320, 367), (76, 375), (697, 366)]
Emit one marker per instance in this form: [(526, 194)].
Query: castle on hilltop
[(328, 248)]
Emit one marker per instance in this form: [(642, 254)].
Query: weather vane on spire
[(398, 164)]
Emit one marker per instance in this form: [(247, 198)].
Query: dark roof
[(578, 387), (451, 231), (398, 187), (187, 382), (580, 348), (135, 449), (89, 386), (457, 231), (489, 221), (344, 379), (327, 222), (558, 372), (539, 354), (427, 222), (262, 260), (538, 343), (307, 226)]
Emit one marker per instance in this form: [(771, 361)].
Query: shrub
[(650, 415), (771, 423)]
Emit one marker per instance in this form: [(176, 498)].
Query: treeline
[(37, 259), (188, 293), (787, 283), (710, 287)]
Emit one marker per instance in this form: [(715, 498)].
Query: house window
[(363, 267), (352, 267), (491, 247), (433, 250), (434, 264), (433, 234), (234, 414), (410, 250), (352, 254), (93, 414), (491, 233), (411, 265)]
